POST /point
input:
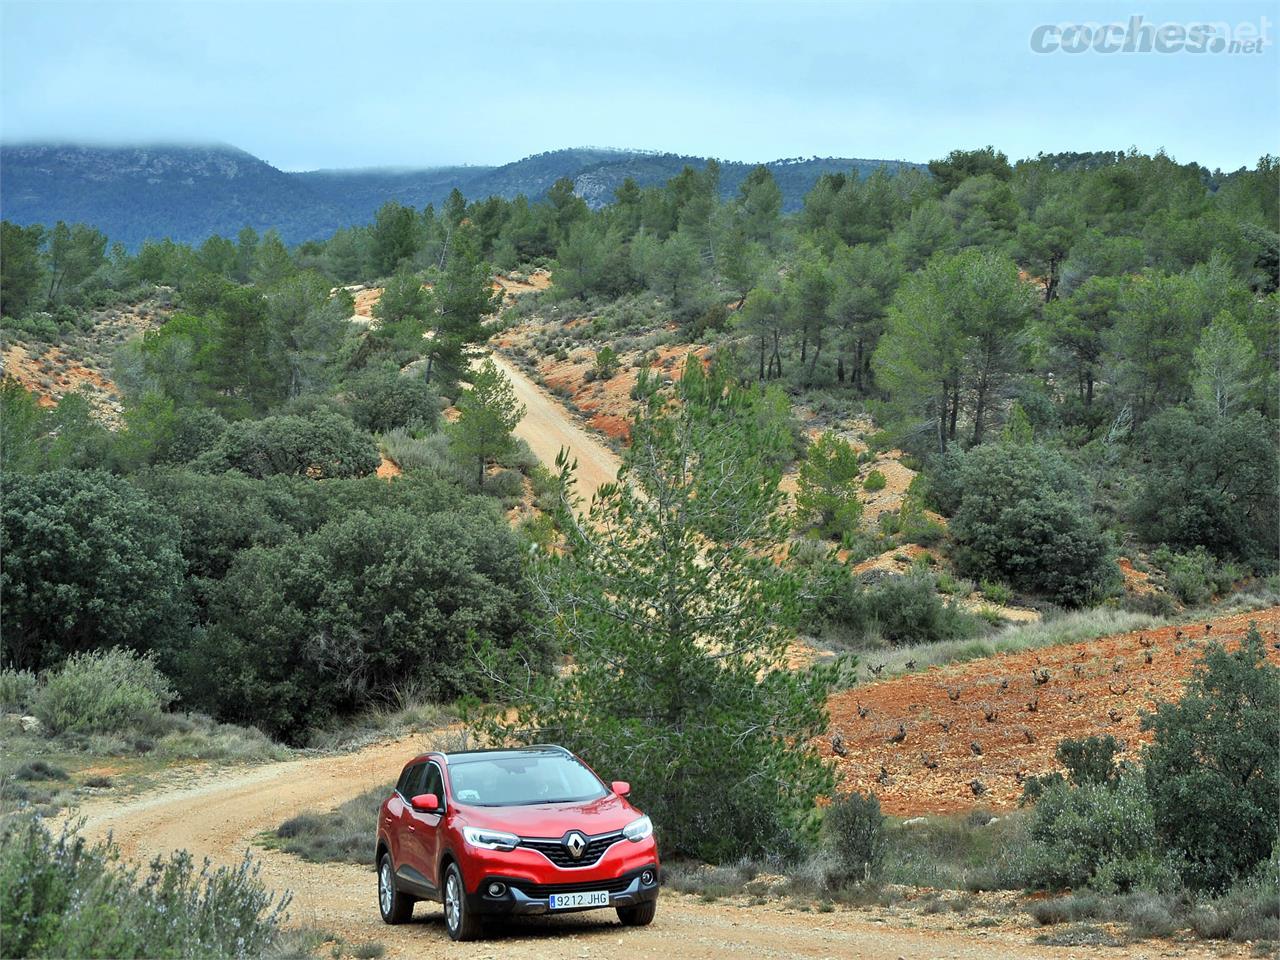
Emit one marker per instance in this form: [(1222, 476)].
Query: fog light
[(497, 889), (646, 877)]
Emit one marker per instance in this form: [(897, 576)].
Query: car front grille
[(541, 890), (558, 853)]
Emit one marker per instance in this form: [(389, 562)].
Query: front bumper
[(522, 898)]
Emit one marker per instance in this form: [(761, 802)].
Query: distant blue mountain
[(188, 193)]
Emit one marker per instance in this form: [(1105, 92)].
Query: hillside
[(188, 193)]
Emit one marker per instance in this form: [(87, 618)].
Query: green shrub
[(1196, 577), (194, 430), (1090, 760), (1212, 482), (904, 609), (62, 897), (606, 363), (383, 399), (1212, 770), (341, 835), (89, 561), (1076, 832), (38, 770), (827, 496), (321, 445), (1250, 910), (106, 691), (395, 596), (996, 592), (853, 829), (875, 481), (1023, 518), (16, 688)]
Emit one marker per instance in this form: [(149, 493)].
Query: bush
[(854, 832), (1211, 482), (1250, 910), (38, 770), (1078, 832), (89, 561), (195, 430), (1212, 771), (1196, 577), (1022, 517), (1090, 760), (321, 624), (341, 835), (16, 687), (906, 609), (61, 897), (997, 592), (321, 445), (606, 365), (106, 691), (875, 481), (384, 399), (827, 497)]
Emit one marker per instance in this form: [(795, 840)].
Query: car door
[(394, 818), (426, 826), (411, 863)]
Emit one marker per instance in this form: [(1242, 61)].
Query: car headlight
[(637, 830), (490, 839)]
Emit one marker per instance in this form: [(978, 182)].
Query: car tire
[(641, 915), (395, 907), (459, 921)]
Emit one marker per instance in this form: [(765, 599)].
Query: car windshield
[(529, 778)]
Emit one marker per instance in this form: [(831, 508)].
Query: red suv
[(512, 832)]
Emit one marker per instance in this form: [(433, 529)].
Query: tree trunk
[(1051, 284), (777, 354), (762, 356), (1088, 392), (840, 369), (813, 363), (942, 420), (955, 409), (980, 414)]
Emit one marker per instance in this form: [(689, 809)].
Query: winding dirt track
[(547, 427), (218, 813)]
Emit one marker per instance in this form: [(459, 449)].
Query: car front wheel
[(394, 906), (461, 923), (641, 915)]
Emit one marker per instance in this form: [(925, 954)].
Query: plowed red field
[(1096, 687)]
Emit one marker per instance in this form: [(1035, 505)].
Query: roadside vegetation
[(62, 896)]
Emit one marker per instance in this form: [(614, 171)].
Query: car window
[(434, 782), (509, 781), (412, 780), (403, 783)]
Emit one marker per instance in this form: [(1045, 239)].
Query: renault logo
[(577, 844)]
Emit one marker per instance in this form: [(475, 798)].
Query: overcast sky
[(307, 85)]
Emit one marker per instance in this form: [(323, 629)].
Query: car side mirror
[(620, 787), (426, 803)]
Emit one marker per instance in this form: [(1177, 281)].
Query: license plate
[(576, 901)]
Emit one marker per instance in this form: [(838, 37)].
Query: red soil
[(1096, 687)]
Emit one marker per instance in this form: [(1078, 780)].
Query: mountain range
[(190, 192)]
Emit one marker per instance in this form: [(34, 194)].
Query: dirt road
[(547, 427), (218, 814)]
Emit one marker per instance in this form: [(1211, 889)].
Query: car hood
[(592, 817)]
